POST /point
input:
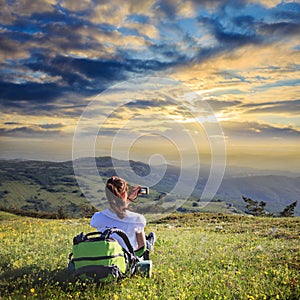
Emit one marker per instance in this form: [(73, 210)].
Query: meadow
[(196, 256)]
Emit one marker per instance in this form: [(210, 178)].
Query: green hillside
[(41, 186), (196, 256)]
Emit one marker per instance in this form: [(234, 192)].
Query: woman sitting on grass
[(118, 215)]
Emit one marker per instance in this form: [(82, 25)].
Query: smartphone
[(144, 190)]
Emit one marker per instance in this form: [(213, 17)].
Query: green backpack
[(98, 257)]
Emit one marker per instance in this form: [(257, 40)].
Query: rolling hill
[(47, 186)]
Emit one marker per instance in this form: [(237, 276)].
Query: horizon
[(229, 168), (186, 83)]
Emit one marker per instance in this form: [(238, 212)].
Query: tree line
[(257, 208)]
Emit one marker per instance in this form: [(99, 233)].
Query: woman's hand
[(134, 193)]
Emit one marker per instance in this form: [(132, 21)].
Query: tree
[(87, 211), (255, 208), (289, 210), (61, 214)]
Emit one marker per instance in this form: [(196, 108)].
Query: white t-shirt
[(132, 223)]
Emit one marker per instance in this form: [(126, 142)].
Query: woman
[(118, 215)]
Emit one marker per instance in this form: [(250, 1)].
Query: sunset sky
[(241, 58)]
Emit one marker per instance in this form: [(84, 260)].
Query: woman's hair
[(115, 187)]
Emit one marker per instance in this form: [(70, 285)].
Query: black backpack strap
[(103, 236), (130, 253), (124, 237)]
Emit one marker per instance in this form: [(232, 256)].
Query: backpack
[(98, 257)]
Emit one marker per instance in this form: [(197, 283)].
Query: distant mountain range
[(45, 186), (277, 191)]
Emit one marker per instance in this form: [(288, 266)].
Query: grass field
[(197, 256)]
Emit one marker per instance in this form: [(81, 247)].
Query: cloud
[(70, 32), (11, 49), (147, 104), (145, 30), (11, 123), (280, 107), (236, 24), (218, 105), (283, 29), (24, 131), (167, 8), (52, 126), (11, 92), (241, 55), (247, 129), (23, 126)]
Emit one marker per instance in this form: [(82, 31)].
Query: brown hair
[(115, 187)]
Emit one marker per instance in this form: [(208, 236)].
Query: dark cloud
[(107, 132), (286, 11), (47, 109), (292, 107), (83, 76), (241, 32), (170, 56), (30, 91), (229, 29), (144, 104), (167, 7), (43, 41), (221, 105), (8, 45), (52, 126), (27, 131), (60, 66), (238, 23), (280, 29), (11, 123), (109, 70), (256, 130)]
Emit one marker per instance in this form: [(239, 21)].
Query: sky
[(234, 66)]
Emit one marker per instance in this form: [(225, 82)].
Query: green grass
[(197, 256)]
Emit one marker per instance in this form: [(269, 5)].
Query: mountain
[(277, 191), (47, 186)]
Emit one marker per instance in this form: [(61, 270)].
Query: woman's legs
[(144, 251), (150, 241)]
